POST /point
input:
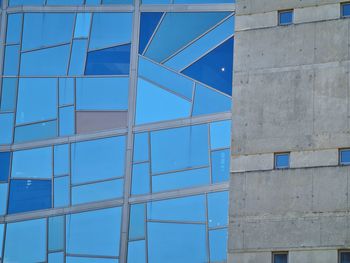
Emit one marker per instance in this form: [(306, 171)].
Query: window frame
[(279, 253), (342, 9), (275, 160), (282, 12)]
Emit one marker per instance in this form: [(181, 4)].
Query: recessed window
[(280, 257), (344, 257), (345, 9), (281, 160), (344, 156), (285, 17)]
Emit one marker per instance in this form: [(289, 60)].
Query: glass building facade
[(115, 130)]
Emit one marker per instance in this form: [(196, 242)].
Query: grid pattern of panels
[(115, 131)]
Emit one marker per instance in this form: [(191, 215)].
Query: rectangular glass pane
[(66, 91), (137, 252), (218, 209), (137, 221), (61, 158), (9, 92), (140, 179), (56, 233), (61, 191), (66, 116), (37, 131)]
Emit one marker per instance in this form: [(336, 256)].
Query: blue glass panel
[(165, 78), (283, 258), (102, 93), (4, 166), (3, 201), (218, 209), (137, 222), (218, 245), (56, 233), (66, 91), (38, 131), (191, 209), (29, 195), (33, 163), (97, 192), (61, 191), (179, 148), (14, 28), (11, 60), (82, 25), (345, 156), (57, 257), (98, 159), (282, 160), (94, 232), (67, 116), (116, 2), (61, 158), (140, 179), (2, 227), (200, 47), (220, 166), (174, 243), (26, 2), (37, 100), (346, 12), (8, 95), (141, 151), (137, 252), (77, 60), (178, 180), (149, 22), (39, 63), (110, 29), (90, 260), (207, 101), (65, 2), (46, 29), (220, 134), (178, 29), (155, 104), (109, 61), (156, 1), (215, 69), (93, 2), (6, 126), (26, 241), (286, 17)]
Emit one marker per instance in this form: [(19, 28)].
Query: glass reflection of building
[(115, 130)]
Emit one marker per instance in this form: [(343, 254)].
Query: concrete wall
[(291, 94)]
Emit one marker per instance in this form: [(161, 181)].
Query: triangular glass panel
[(149, 22)]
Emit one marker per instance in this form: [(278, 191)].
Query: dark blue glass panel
[(345, 257), (285, 17), (345, 156), (346, 12), (215, 68), (280, 258), (29, 195), (149, 22), (109, 61), (282, 160), (4, 166)]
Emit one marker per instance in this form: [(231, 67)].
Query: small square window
[(285, 17), (344, 156), (345, 9), (282, 160), (280, 257), (344, 257)]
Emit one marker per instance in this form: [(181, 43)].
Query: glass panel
[(285, 17), (65, 2), (29, 195), (105, 33), (166, 240), (46, 29), (137, 252), (57, 257), (38, 131), (39, 63), (178, 180), (94, 232), (61, 191), (82, 25), (26, 2), (92, 121), (66, 88), (345, 157), (137, 222), (8, 95), (346, 9), (97, 192), (67, 121), (77, 60), (220, 134), (179, 148), (191, 209), (220, 166), (56, 233), (109, 61), (2, 227), (149, 22), (218, 245), (61, 153), (37, 100), (3, 199), (98, 159), (4, 166), (102, 93), (280, 258), (90, 260), (26, 241), (282, 160), (140, 179), (11, 60), (141, 150), (218, 209), (14, 28), (6, 126), (93, 2), (154, 104), (33, 163), (116, 1)]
